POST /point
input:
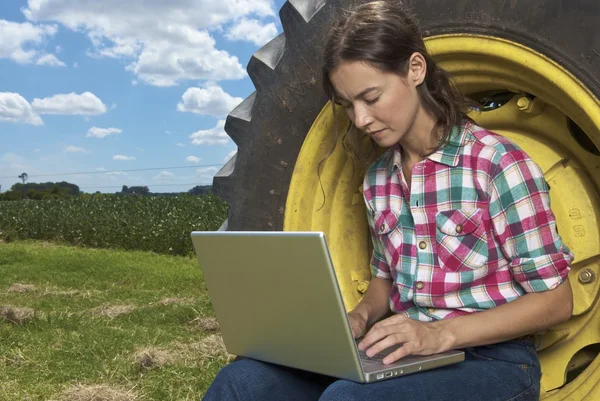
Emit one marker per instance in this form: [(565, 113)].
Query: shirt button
[(431, 310), (422, 245), (459, 228), (420, 285), (382, 228)]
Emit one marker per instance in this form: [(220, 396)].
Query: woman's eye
[(372, 101)]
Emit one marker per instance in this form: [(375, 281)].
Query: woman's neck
[(420, 139)]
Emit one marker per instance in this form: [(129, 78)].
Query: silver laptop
[(276, 299)]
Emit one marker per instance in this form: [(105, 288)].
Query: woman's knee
[(343, 390), (238, 379)]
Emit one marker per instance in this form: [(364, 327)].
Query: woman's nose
[(362, 119)]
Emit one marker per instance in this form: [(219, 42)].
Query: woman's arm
[(373, 306), (528, 314)]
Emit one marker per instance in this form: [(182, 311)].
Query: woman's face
[(384, 105)]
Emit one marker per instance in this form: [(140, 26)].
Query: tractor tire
[(270, 127)]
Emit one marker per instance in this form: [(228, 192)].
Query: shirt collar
[(448, 154)]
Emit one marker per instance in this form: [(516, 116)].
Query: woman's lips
[(376, 133)]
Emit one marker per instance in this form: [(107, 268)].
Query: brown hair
[(384, 35)]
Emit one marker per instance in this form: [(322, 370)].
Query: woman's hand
[(358, 323), (415, 338)]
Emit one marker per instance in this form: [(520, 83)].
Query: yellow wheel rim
[(537, 119)]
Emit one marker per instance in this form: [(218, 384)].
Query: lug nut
[(362, 286), (529, 106), (524, 103), (587, 276)]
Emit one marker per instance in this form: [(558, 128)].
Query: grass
[(86, 324)]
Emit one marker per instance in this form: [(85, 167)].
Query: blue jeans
[(508, 371)]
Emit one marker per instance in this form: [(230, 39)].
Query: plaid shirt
[(474, 231)]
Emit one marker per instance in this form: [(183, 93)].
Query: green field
[(86, 324), (149, 223)]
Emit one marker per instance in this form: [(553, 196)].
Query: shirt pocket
[(385, 221), (461, 239), (389, 236)]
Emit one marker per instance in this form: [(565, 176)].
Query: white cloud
[(15, 109), (206, 174), (213, 136), (50, 60), (122, 157), (229, 156), (36, 150), (100, 169), (209, 100), (181, 145), (252, 30), (72, 104), (24, 37), (14, 161), (74, 149), (165, 176), (167, 63), (168, 42), (96, 132), (168, 132), (116, 173), (192, 159)]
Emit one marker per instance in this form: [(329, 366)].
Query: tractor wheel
[(534, 67)]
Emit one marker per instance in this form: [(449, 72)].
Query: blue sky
[(101, 86)]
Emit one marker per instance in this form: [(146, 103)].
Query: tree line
[(63, 189)]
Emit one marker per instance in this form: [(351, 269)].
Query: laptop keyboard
[(376, 359)]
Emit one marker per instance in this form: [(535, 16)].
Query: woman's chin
[(385, 142)]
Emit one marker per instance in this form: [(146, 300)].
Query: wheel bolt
[(524, 103), (362, 286), (529, 106), (587, 276)]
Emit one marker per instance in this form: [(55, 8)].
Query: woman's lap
[(501, 372)]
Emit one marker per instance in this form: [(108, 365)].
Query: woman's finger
[(401, 352), (387, 342)]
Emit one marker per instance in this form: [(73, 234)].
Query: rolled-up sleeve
[(524, 224)]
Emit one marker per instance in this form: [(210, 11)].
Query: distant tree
[(135, 190), (38, 191), (200, 190)]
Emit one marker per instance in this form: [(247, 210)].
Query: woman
[(465, 249)]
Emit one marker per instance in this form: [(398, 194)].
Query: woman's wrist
[(447, 335), (362, 311)]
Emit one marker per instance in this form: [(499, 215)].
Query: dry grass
[(151, 358), (21, 288), (112, 311), (15, 314), (205, 323), (178, 301), (56, 291), (99, 392), (210, 347)]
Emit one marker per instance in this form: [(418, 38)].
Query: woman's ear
[(417, 69)]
